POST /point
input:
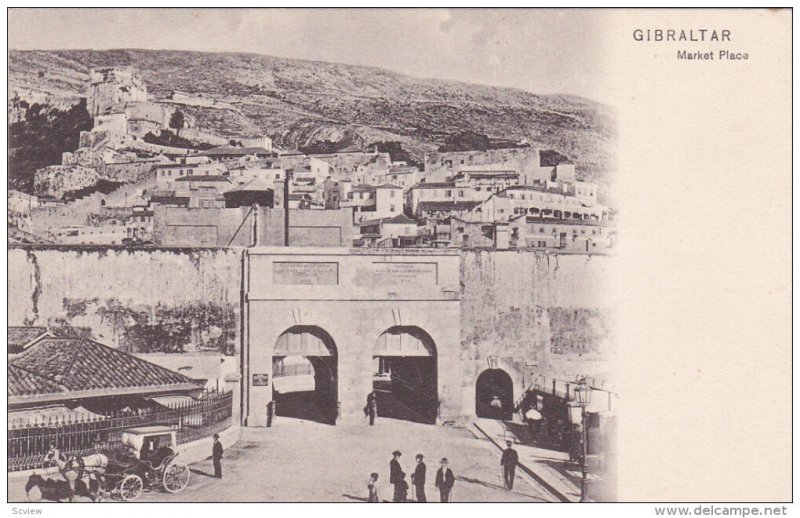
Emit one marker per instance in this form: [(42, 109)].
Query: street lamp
[(583, 393)]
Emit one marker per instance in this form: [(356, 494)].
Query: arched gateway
[(494, 395), (305, 370), (406, 375), (345, 323)]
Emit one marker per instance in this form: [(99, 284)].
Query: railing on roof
[(28, 443)]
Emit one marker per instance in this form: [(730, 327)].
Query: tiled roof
[(19, 336), (388, 186), (80, 365), (400, 218), (22, 382)]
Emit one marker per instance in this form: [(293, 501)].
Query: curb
[(560, 496)]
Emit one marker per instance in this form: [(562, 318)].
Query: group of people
[(397, 477)]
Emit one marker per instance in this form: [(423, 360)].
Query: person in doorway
[(216, 456), (445, 481), (509, 464), (401, 488), (418, 479), (497, 406), (372, 487), (395, 470)]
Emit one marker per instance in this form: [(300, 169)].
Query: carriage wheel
[(131, 487), (176, 477)]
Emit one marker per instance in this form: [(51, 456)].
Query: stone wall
[(525, 312), (534, 313), (168, 300), (56, 180)]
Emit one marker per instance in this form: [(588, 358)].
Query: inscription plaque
[(305, 273), (406, 273)]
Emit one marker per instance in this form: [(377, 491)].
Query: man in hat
[(445, 481), (216, 455), (394, 472), (509, 464), (418, 479)]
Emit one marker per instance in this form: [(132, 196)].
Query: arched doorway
[(494, 395), (305, 376), (405, 379)]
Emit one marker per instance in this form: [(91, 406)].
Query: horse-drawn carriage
[(145, 460)]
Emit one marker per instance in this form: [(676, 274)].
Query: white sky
[(542, 51)]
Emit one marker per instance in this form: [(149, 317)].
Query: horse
[(80, 477), (40, 488)]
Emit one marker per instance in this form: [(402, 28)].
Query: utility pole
[(286, 176), (255, 225)]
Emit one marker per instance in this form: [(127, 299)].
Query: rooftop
[(434, 185), (203, 178), (79, 367), (253, 185), (448, 205), (238, 151)]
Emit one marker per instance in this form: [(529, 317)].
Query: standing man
[(216, 455), (509, 463), (445, 481), (418, 479), (372, 407), (394, 472)]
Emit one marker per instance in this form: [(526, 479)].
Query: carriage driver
[(53, 456)]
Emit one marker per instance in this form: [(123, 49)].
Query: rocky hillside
[(300, 102)]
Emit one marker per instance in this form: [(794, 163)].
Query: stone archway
[(406, 375), (305, 375), (494, 395)]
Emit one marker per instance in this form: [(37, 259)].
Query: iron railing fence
[(28, 443)]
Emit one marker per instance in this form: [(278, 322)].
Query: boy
[(372, 487)]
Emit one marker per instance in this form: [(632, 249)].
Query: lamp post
[(583, 393)]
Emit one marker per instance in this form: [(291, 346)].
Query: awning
[(172, 401), (60, 414)]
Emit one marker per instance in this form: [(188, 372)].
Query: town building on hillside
[(395, 232), (266, 173), (220, 227), (558, 203), (230, 153), (440, 211), (531, 165), (486, 178), (442, 192), (568, 236), (168, 174), (254, 192), (579, 236)]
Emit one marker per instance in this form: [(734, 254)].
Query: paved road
[(303, 461)]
